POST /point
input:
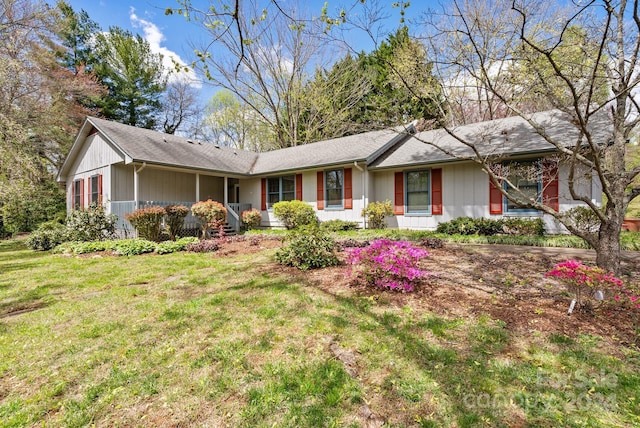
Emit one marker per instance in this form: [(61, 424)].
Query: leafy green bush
[(147, 221), (133, 247), (181, 244), (458, 226), (204, 246), (212, 215), (26, 210), (294, 214), (309, 248), (490, 227), (583, 218), (251, 218), (338, 225), (524, 226), (49, 235), (77, 247), (376, 212), (175, 219), (91, 224)]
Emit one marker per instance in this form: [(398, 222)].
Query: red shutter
[(436, 191), (263, 195), (320, 191), (495, 199), (348, 189), (100, 189), (550, 185), (82, 193), (398, 201), (299, 187), (73, 195)]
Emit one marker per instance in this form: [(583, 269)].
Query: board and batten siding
[(162, 185), (122, 182), (251, 192), (465, 193), (94, 158), (210, 188), (95, 153)]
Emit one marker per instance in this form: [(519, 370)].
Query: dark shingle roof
[(509, 136), (145, 145), (360, 147), (389, 148)]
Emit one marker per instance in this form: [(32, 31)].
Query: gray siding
[(211, 188), (161, 185), (95, 153), (122, 182)]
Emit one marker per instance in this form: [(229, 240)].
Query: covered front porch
[(140, 185)]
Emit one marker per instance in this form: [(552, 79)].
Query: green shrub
[(91, 224), (376, 212), (458, 226), (26, 210), (338, 225), (76, 247), (3, 231), (490, 227), (294, 214), (251, 218), (133, 247), (524, 226), (308, 248), (49, 235), (181, 244), (583, 218), (212, 215), (175, 219), (147, 221)]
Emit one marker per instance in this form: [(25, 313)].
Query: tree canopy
[(134, 77)]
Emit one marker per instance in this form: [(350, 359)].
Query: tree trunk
[(608, 248)]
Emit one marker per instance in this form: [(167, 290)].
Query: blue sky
[(170, 35)]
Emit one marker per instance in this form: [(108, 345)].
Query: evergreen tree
[(133, 75)]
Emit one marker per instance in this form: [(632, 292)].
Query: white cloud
[(154, 36)]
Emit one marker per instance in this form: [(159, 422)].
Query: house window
[(77, 194), (280, 189), (334, 188), (95, 190), (417, 193), (527, 178)]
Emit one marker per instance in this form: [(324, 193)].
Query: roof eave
[(453, 160)]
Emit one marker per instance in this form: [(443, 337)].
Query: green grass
[(193, 340)]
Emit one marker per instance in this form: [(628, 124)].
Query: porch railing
[(191, 224), (234, 211), (120, 208)]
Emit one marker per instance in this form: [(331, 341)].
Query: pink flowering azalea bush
[(388, 264), (583, 280)]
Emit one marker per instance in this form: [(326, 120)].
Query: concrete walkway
[(569, 253)]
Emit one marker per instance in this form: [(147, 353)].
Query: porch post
[(197, 187), (226, 191), (136, 182), (135, 187)]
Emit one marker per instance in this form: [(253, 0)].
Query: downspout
[(136, 182), (364, 199)]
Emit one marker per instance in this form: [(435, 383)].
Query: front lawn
[(232, 339)]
